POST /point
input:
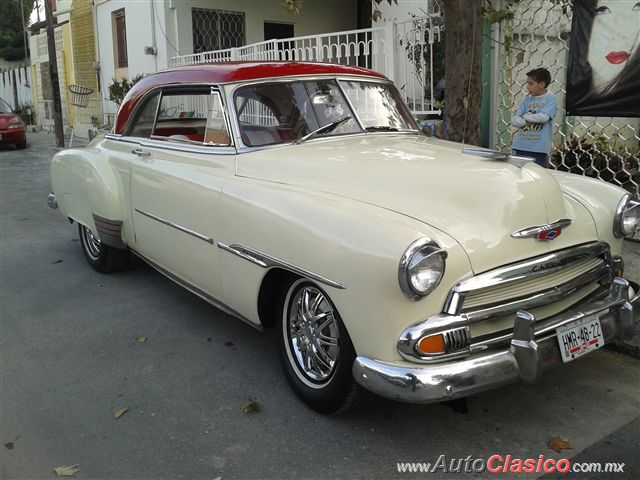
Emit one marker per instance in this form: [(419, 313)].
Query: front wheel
[(101, 257), (316, 352)]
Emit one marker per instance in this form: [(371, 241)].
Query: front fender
[(351, 243), (599, 198)]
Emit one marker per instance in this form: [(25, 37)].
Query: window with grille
[(120, 30), (216, 29)]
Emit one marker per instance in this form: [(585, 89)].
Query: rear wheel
[(101, 257), (316, 352)]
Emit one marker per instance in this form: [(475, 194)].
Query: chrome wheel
[(92, 244), (313, 334)]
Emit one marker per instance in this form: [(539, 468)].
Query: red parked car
[(12, 129)]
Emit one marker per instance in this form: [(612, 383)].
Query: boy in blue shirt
[(534, 119)]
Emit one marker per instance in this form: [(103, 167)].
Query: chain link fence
[(538, 36)]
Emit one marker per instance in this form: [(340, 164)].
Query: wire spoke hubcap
[(92, 243), (313, 334)]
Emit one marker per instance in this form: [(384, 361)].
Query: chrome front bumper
[(524, 359)]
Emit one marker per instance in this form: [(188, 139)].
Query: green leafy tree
[(12, 35)]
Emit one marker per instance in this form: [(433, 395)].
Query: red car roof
[(229, 72)]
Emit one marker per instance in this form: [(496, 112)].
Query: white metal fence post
[(390, 50)]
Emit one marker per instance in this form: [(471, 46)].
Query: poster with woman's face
[(603, 78)]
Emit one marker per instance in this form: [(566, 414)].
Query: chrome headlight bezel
[(420, 251), (627, 205)]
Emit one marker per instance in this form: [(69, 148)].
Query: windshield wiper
[(327, 128), (381, 128)]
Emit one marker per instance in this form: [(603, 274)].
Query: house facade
[(134, 38)]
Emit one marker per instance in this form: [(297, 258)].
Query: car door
[(179, 167)]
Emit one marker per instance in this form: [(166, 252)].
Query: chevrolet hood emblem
[(543, 232)]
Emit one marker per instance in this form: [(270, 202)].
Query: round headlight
[(421, 268), (627, 219)]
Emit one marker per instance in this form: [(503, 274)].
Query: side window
[(216, 132), (191, 116), (143, 123)]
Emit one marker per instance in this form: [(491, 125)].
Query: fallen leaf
[(10, 445), (230, 344), (140, 340), (252, 407), (558, 444), (57, 261), (67, 470), (101, 285), (121, 412)]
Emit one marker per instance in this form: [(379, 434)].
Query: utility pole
[(53, 74)]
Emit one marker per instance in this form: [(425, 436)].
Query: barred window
[(120, 30), (216, 29)]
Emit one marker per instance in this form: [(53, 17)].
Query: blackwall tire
[(101, 257), (316, 353)]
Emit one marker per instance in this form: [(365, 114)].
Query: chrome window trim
[(203, 148), (200, 293), (533, 267), (177, 227), (231, 87), (265, 260), (148, 142)]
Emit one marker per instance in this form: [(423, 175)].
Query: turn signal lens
[(432, 344)]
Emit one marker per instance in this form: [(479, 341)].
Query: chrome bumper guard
[(523, 360)]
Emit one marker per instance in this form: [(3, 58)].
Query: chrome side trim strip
[(531, 268), (266, 261), (176, 226), (196, 291)]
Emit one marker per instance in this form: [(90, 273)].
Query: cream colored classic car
[(302, 196)]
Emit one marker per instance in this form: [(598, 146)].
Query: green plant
[(599, 157), (26, 112), (119, 88)]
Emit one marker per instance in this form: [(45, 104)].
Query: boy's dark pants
[(541, 159)]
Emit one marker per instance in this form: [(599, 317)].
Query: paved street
[(69, 360)]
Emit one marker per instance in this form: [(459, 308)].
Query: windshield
[(4, 108), (289, 111)]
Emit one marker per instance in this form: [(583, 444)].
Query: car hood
[(477, 201)]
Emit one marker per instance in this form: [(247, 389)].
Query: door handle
[(141, 153)]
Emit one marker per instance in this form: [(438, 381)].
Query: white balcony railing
[(383, 49)]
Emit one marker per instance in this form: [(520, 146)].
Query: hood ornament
[(543, 232)]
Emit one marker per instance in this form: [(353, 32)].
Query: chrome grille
[(456, 339), (525, 286), (532, 283)]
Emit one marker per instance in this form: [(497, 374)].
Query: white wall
[(172, 29), (318, 16), (139, 17)]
